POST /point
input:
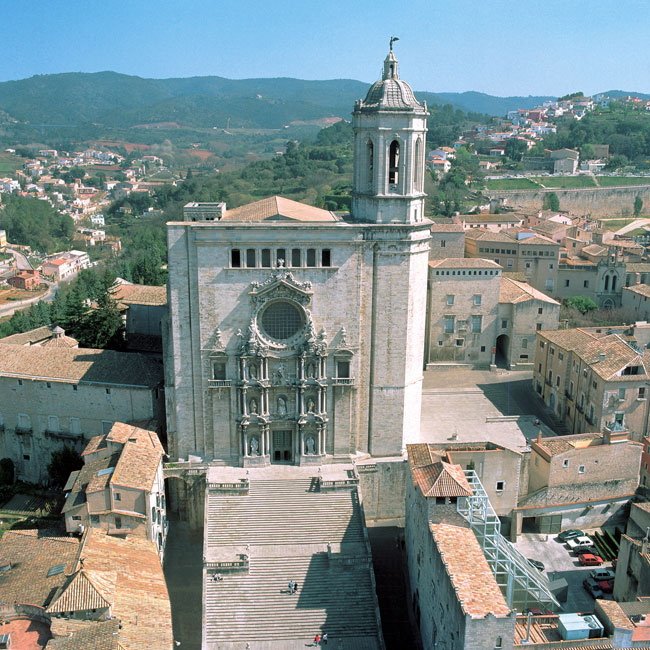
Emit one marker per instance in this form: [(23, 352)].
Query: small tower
[(390, 128)]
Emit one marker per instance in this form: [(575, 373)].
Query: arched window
[(607, 283), (418, 166), (393, 163), (613, 283), (370, 157)]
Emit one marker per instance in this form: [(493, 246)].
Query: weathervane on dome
[(392, 40)]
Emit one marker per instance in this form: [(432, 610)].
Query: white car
[(583, 540)]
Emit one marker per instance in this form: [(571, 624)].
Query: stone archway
[(502, 358)]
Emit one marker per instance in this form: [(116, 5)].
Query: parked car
[(584, 548), (606, 586), (583, 540), (537, 564), (592, 587), (589, 559), (566, 535), (602, 574)]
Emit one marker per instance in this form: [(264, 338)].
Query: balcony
[(590, 419), (548, 382), (568, 395), (23, 431), (219, 383), (580, 408), (63, 435), (342, 381)]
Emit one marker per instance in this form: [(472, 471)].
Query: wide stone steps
[(287, 525), (258, 606), (283, 512)]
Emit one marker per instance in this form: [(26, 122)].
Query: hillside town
[(373, 428)]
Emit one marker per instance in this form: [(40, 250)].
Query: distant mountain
[(121, 100), (617, 94)]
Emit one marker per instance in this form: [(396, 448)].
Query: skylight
[(103, 472), (56, 570)]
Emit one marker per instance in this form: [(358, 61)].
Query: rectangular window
[(566, 283), (504, 324), (326, 257), (450, 300), (581, 469), (219, 370), (118, 522), (619, 417), (108, 391), (118, 496), (281, 254), (94, 519), (24, 421), (343, 369), (251, 258), (557, 381), (500, 486), (540, 310), (477, 299), (459, 342), (642, 392), (552, 351), (107, 425), (75, 425), (311, 257), (53, 423), (621, 393), (48, 384), (296, 257), (524, 343), (20, 382), (585, 284), (449, 324), (25, 456), (75, 387), (477, 322), (235, 258), (482, 348), (565, 462), (266, 258), (560, 356)]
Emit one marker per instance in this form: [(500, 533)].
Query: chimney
[(602, 356), (539, 436)]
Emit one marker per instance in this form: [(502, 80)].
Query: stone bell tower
[(390, 128)]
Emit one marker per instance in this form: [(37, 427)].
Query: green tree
[(638, 205), (551, 202), (581, 303), (515, 149), (62, 463)]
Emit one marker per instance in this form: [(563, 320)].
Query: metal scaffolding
[(522, 585)]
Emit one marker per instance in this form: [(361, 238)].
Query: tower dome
[(390, 92)]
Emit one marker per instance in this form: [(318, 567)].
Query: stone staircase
[(290, 530)]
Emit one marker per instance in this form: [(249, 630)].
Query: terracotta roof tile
[(84, 635), (464, 263), (32, 554), (139, 294), (446, 227), (82, 365), (569, 339), (422, 453), (513, 291), (277, 208), (442, 480), (476, 589), (641, 289), (561, 444), (139, 461), (85, 590)]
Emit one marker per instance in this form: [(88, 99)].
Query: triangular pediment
[(281, 283)]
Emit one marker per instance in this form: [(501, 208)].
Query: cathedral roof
[(277, 208), (390, 93)]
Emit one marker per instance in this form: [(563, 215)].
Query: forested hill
[(121, 100)]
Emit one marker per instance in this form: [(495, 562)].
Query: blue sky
[(502, 48)]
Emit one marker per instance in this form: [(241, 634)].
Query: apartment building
[(589, 380), (120, 488), (636, 300)]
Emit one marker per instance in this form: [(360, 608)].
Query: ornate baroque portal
[(282, 376)]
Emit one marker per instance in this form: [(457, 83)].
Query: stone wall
[(383, 485), (597, 201)]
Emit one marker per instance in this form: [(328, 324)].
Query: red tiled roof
[(442, 480)]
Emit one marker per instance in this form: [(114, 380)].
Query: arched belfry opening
[(393, 163), (370, 158)]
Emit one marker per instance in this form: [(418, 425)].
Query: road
[(21, 261), (638, 223), (48, 296)]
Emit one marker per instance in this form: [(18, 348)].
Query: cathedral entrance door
[(282, 446)]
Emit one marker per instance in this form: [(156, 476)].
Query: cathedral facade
[(296, 335)]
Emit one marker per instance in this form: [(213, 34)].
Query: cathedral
[(295, 334)]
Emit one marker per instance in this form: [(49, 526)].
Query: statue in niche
[(311, 445), (253, 406), (252, 371), (282, 406), (280, 374), (311, 370), (255, 447), (311, 405)]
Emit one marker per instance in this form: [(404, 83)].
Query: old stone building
[(447, 240), (476, 316), (636, 300), (53, 396), (120, 487), (296, 335), (518, 250), (590, 380)]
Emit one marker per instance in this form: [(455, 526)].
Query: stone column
[(302, 442), (262, 442), (245, 436), (244, 406)]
